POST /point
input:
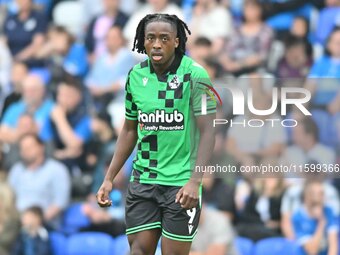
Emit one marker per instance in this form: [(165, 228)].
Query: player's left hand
[(188, 195)]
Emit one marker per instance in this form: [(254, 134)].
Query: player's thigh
[(142, 212), (179, 225), (172, 247), (144, 242)]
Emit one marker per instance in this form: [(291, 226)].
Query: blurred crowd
[(63, 66)]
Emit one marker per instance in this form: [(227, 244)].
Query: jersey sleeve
[(130, 106), (203, 95)]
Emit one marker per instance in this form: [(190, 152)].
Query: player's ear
[(176, 42)]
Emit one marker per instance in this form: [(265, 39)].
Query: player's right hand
[(102, 196)]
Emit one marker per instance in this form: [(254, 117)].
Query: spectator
[(106, 79), (249, 45), (201, 49), (291, 202), (110, 220), (25, 31), (18, 74), (33, 238), (5, 67), (26, 125), (300, 27), (9, 219), (70, 125), (212, 190), (306, 147), (300, 30), (217, 240), (315, 224), (322, 82), (39, 181), (294, 66), (96, 41), (152, 6), (328, 20), (33, 102), (64, 53), (261, 216), (212, 20)]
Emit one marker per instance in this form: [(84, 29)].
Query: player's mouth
[(156, 57)]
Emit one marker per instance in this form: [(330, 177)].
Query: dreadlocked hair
[(181, 27)]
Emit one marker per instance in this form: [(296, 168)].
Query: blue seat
[(281, 21), (90, 243), (74, 219), (121, 245), (58, 243), (244, 246), (276, 246)]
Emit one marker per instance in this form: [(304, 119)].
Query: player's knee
[(139, 249)]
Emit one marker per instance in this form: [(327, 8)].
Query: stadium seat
[(276, 246), (90, 243), (244, 246), (121, 245), (281, 21), (74, 219), (70, 14), (58, 243)]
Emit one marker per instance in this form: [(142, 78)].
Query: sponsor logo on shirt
[(161, 120)]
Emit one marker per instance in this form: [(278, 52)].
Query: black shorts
[(150, 206)]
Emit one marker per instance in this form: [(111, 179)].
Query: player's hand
[(187, 196), (103, 194)]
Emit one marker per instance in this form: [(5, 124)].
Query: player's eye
[(165, 39), (149, 38)]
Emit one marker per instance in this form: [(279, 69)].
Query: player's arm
[(188, 195), (125, 144)]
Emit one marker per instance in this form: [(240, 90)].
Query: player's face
[(160, 42)]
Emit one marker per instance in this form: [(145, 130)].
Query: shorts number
[(191, 212)]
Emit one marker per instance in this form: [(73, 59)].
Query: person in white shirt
[(211, 20), (152, 6)]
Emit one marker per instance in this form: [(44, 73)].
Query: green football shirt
[(165, 107)]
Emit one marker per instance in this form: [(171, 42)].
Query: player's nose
[(157, 44)]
